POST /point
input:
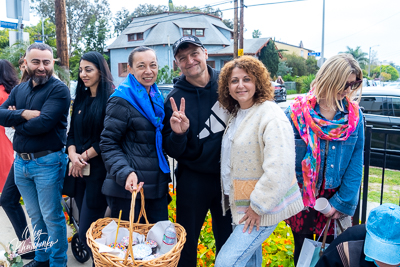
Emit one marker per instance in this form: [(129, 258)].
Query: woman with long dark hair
[(86, 167), (8, 79)]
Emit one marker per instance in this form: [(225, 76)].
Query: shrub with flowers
[(277, 249)]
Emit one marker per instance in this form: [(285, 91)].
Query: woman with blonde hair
[(257, 162), (329, 137)]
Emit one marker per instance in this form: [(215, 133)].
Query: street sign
[(9, 25), (315, 54), (240, 52), (16, 8), (39, 41)]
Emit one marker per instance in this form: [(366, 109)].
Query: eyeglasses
[(353, 85)]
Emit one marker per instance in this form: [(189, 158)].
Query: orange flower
[(287, 242), (209, 230), (69, 239), (170, 186)]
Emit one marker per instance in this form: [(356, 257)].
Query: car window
[(373, 105), (396, 106)]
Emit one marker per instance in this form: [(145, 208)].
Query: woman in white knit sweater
[(257, 162)]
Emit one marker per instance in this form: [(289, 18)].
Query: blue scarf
[(135, 93)]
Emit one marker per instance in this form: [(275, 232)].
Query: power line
[(264, 4), (364, 29)]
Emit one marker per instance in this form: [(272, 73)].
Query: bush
[(288, 78)]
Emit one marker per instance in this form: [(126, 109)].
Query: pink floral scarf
[(312, 127)]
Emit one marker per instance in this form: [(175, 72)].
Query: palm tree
[(358, 55), (256, 34)]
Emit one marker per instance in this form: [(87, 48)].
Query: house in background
[(297, 50), (160, 31)]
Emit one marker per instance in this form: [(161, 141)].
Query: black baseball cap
[(186, 39)]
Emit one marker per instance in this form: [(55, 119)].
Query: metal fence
[(290, 85), (369, 130)]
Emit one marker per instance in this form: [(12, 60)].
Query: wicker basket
[(169, 259)]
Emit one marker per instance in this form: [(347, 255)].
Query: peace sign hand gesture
[(179, 122)]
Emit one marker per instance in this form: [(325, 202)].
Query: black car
[(382, 110)]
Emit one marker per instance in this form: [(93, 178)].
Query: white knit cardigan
[(263, 166)]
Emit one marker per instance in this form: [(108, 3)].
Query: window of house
[(302, 53), (122, 69), (199, 32), (187, 32), (135, 36), (211, 63)]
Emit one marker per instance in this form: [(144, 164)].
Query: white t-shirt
[(226, 149)]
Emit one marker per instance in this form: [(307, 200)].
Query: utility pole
[(369, 60), (61, 33), (18, 6), (323, 33), (241, 25), (235, 30)]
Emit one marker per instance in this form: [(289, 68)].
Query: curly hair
[(258, 73)]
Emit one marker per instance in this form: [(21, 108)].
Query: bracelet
[(87, 155)]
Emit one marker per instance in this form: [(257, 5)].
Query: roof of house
[(300, 46), (165, 28)]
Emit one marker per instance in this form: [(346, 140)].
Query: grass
[(291, 92), (391, 192)]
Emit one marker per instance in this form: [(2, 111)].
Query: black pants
[(86, 215), (299, 240), (10, 202), (196, 194), (156, 209)]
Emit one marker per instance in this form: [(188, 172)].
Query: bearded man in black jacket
[(193, 137)]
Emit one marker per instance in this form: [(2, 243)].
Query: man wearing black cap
[(193, 137)]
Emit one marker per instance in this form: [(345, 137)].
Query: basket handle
[(131, 222)]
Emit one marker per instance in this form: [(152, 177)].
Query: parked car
[(165, 89), (382, 110), (394, 85), (280, 92)]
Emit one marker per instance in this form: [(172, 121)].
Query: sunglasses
[(353, 85)]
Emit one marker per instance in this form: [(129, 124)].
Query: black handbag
[(69, 185)]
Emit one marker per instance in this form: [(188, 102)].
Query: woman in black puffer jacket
[(131, 142)]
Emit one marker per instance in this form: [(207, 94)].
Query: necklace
[(329, 109)]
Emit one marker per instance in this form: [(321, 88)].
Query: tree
[(165, 75), (256, 34), (283, 69), (297, 63), (228, 23), (96, 34), (312, 67), (358, 55), (394, 74), (270, 58), (35, 32), (385, 76), (79, 14)]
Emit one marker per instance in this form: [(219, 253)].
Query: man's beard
[(39, 79)]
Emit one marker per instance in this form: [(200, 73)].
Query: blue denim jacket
[(344, 164)]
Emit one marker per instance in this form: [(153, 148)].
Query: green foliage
[(96, 34), (165, 75), (79, 15), (14, 53), (303, 83), (270, 58), (365, 73), (228, 23), (288, 78), (35, 32), (283, 70), (358, 55), (297, 63), (74, 64), (311, 64), (385, 76), (387, 69), (4, 38), (256, 34), (11, 257)]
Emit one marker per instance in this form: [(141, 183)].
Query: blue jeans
[(243, 249), (40, 182)]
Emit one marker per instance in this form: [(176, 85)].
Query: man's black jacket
[(46, 132)]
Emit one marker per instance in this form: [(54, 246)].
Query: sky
[(364, 23)]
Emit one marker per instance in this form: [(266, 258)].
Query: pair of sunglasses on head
[(353, 85)]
